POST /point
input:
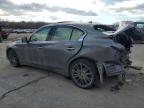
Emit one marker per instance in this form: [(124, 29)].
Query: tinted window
[(40, 35), (62, 33), (76, 34), (140, 27)]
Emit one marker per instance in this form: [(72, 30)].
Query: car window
[(41, 35), (62, 33), (140, 26), (76, 34)]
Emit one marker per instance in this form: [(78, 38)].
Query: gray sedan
[(76, 50)]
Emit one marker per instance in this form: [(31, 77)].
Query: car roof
[(80, 25)]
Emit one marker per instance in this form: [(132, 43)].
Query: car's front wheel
[(12, 57), (84, 73)]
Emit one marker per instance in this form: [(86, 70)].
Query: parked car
[(136, 30), (4, 34), (19, 31), (0, 38), (77, 50), (140, 30)]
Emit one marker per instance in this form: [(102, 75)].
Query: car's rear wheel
[(12, 57), (84, 73)]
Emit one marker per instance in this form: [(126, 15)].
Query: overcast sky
[(102, 11)]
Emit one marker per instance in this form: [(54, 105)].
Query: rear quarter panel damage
[(103, 54)]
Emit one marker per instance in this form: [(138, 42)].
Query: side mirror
[(24, 40)]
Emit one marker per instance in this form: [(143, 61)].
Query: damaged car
[(81, 51)]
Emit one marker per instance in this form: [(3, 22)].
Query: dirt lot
[(27, 87)]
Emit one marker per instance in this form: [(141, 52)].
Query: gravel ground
[(27, 87)]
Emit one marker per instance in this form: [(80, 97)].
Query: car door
[(34, 47), (64, 44)]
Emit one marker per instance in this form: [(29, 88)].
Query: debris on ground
[(141, 73), (128, 80), (121, 82), (25, 75), (116, 87), (136, 67)]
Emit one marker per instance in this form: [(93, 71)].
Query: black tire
[(84, 73), (13, 59), (1, 39), (5, 37)]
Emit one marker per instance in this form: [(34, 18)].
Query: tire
[(0, 39), (13, 59), (84, 73), (5, 37)]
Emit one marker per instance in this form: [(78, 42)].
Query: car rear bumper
[(113, 69)]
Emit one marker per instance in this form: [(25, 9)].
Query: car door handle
[(70, 48)]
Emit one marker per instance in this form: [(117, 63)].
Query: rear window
[(76, 34)]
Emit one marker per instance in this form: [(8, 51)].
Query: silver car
[(76, 50)]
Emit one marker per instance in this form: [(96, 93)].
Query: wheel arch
[(9, 50), (85, 58), (100, 74)]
